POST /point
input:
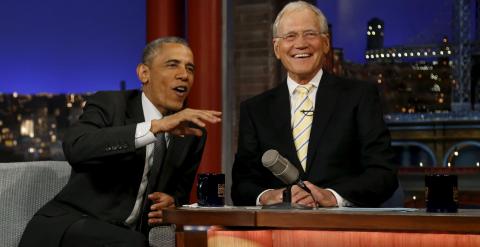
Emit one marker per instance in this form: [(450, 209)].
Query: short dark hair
[(154, 46)]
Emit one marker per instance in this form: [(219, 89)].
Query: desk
[(333, 227)]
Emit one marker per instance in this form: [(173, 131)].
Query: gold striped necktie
[(302, 121)]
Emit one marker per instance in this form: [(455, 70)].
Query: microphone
[(282, 169)]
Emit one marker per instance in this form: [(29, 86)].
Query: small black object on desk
[(286, 203)]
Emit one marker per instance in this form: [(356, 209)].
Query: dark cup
[(441, 193), (211, 189)]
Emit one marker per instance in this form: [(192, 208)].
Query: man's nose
[(300, 42), (182, 74)]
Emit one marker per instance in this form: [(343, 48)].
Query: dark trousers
[(92, 232), (59, 225)]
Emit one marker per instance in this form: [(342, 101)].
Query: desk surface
[(465, 221)]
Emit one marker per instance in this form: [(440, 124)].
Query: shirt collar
[(150, 112), (315, 82)]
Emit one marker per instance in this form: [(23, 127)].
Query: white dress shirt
[(144, 137)]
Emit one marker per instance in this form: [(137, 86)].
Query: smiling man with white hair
[(331, 129)]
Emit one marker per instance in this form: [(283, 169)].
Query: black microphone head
[(280, 167)]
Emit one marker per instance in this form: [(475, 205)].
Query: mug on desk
[(211, 189), (441, 193)]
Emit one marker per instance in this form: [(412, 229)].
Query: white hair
[(300, 5)]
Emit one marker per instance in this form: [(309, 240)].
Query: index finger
[(216, 113), (210, 116)]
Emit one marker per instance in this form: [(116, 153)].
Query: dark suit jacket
[(107, 168), (349, 149)]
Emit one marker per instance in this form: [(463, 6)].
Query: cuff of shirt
[(143, 135), (260, 195), (340, 201)]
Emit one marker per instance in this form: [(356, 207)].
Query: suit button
[(114, 148), (108, 149)]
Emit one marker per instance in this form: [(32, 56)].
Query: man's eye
[(291, 36), (311, 34), (171, 65)]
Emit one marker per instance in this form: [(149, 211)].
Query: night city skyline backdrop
[(84, 46)]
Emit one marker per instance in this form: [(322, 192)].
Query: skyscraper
[(375, 34)]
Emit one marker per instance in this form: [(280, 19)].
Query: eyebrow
[(302, 31), (176, 61), (172, 61)]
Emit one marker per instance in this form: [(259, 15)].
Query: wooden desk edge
[(403, 222), (233, 217), (325, 220)]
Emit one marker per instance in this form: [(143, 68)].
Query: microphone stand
[(286, 203)]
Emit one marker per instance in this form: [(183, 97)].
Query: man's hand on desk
[(324, 198), (159, 201), (299, 196), (271, 197)]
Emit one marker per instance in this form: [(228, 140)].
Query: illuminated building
[(375, 34), (32, 126)]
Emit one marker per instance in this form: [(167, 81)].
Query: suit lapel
[(134, 109), (325, 103), (279, 110), (134, 115)]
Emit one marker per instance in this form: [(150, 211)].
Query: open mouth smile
[(181, 90), (302, 55)]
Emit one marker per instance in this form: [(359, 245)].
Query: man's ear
[(275, 47), (326, 43), (143, 73)]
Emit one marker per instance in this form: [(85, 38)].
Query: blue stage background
[(83, 46)]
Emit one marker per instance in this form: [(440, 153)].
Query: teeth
[(301, 55), (180, 89)]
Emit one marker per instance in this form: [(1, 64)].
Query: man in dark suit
[(330, 129), (132, 154)]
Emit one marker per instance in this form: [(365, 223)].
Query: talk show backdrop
[(83, 46)]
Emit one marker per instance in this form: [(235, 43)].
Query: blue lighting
[(84, 46), (70, 46)]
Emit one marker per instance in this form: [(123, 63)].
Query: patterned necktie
[(159, 151), (302, 122)]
